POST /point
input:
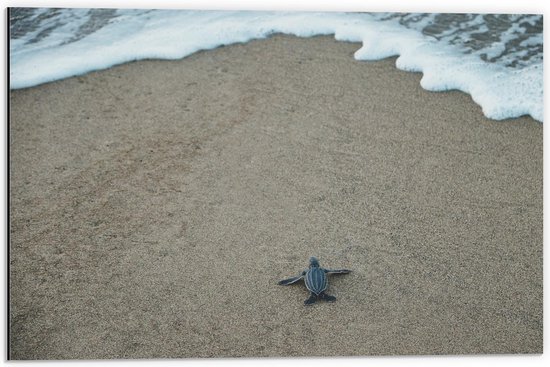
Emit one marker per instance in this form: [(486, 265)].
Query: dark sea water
[(511, 40)]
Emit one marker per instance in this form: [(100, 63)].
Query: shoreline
[(155, 205)]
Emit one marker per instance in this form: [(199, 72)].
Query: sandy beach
[(155, 205)]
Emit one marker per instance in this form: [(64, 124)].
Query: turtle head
[(313, 262)]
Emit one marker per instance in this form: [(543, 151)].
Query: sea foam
[(501, 91)]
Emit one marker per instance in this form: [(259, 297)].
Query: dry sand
[(155, 205)]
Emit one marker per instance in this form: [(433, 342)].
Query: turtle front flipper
[(337, 271), (311, 300), (291, 280)]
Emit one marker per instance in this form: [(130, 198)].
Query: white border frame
[(431, 6)]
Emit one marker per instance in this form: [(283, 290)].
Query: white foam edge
[(502, 93)]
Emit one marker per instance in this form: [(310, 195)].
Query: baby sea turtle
[(316, 281)]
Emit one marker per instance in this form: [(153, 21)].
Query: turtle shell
[(316, 280)]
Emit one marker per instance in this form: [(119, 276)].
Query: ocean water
[(497, 59)]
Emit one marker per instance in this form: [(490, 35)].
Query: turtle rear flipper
[(327, 297), (311, 300)]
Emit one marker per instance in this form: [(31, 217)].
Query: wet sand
[(155, 205)]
